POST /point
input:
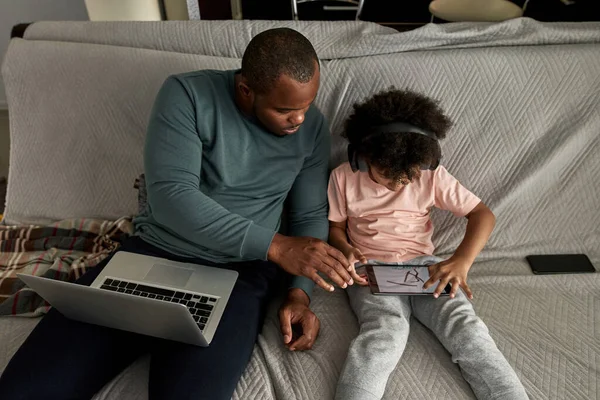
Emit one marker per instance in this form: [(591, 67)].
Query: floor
[(3, 156)]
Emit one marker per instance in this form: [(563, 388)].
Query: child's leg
[(466, 337), (374, 353)]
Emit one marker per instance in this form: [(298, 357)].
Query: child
[(379, 209)]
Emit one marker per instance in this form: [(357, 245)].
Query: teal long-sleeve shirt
[(217, 180)]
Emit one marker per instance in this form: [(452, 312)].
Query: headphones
[(359, 164)]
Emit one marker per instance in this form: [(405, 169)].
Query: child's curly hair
[(397, 155)]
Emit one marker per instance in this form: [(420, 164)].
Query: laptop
[(147, 295)]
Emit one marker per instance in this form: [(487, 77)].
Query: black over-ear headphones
[(358, 163)]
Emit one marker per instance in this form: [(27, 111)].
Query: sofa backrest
[(525, 98)]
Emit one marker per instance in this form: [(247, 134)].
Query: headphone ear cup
[(357, 163), (362, 165), (436, 162), (352, 158)]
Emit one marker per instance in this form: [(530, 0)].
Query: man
[(224, 150)]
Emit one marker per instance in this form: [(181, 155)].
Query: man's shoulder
[(315, 127), (314, 117), (314, 131), (202, 74), (203, 81)]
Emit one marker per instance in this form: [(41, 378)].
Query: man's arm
[(308, 198), (172, 163), (307, 217)]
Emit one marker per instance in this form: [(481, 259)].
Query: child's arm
[(339, 240), (455, 269), (479, 228)]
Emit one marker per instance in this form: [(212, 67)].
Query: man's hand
[(306, 256), (454, 271), (296, 312), (354, 255)]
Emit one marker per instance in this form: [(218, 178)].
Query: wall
[(13, 12)]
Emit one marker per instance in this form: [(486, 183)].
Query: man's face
[(282, 109)]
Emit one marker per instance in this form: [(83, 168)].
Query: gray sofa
[(525, 97)]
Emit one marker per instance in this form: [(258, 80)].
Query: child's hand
[(354, 255), (454, 271)]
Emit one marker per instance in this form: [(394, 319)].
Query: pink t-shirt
[(394, 226)]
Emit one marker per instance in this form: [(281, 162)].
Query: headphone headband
[(401, 127), (358, 164)]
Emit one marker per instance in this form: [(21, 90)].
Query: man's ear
[(245, 90)]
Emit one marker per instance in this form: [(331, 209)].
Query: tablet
[(400, 280)]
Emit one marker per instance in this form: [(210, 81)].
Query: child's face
[(378, 176)]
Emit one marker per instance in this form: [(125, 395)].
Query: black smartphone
[(560, 264)]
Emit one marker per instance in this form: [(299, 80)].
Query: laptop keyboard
[(200, 306)]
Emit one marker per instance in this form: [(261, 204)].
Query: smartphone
[(560, 264)]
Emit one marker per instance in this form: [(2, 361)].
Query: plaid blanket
[(62, 251)]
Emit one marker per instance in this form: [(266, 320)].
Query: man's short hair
[(275, 52)]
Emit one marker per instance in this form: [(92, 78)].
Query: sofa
[(525, 98)]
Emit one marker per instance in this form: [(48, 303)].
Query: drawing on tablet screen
[(411, 278), (401, 279)]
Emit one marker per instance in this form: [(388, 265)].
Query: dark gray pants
[(66, 359)]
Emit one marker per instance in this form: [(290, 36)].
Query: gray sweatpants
[(384, 327)]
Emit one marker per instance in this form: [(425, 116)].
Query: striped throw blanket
[(62, 251)]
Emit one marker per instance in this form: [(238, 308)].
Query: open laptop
[(147, 295)]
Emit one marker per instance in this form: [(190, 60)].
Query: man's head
[(396, 158), (279, 79)]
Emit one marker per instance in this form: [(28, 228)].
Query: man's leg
[(66, 359), (180, 371)]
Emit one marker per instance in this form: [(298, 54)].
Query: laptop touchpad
[(168, 276)]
